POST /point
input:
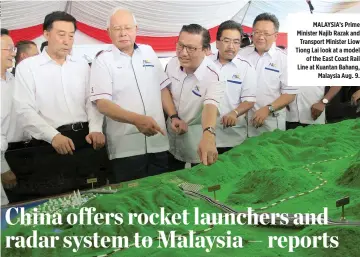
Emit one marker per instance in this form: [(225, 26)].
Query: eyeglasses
[(228, 41), (126, 28), (258, 34), (10, 49), (189, 49)]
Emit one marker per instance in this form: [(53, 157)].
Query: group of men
[(152, 121)]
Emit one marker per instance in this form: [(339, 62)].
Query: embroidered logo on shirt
[(272, 67), (147, 63), (235, 79), (236, 76), (196, 91)]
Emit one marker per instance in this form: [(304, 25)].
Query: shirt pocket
[(272, 77)]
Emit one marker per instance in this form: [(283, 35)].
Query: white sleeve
[(95, 118), (100, 80), (215, 92), (4, 165), (25, 106), (248, 91), (163, 77), (4, 199), (285, 88)]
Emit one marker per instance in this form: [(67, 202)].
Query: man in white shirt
[(270, 62), (25, 49), (240, 92), (309, 106), (196, 89), (126, 85), (52, 101), (8, 52)]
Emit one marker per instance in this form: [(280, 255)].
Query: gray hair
[(115, 10)]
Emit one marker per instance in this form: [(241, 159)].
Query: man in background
[(273, 91), (240, 92), (8, 51)]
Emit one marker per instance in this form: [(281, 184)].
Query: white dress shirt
[(300, 109), (271, 70), (7, 86), (134, 83), (190, 93), (241, 84), (49, 95)]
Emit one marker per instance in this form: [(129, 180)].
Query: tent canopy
[(158, 22)]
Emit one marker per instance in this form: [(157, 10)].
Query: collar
[(271, 51), (118, 53), (8, 77), (200, 71), (45, 58)]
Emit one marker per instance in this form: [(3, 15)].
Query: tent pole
[(68, 6), (249, 3)]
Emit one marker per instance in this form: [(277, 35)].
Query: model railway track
[(290, 216), (192, 190)]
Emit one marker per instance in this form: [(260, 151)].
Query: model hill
[(261, 170), (351, 176)]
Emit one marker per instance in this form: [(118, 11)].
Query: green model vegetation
[(297, 171)]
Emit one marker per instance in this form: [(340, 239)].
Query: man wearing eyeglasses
[(8, 52), (240, 93), (196, 90), (270, 62), (127, 83)]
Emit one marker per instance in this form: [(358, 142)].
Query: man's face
[(264, 35), (30, 51), (60, 38), (189, 50), (122, 30), (229, 44), (7, 52)]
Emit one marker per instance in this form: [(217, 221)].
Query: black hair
[(4, 32), (230, 24), (22, 46), (57, 16), (198, 30), (268, 17), (43, 45)]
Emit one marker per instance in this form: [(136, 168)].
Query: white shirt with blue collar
[(272, 81), (49, 95), (134, 83), (241, 84), (190, 93)]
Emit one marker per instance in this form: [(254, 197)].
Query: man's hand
[(260, 116), (8, 179), (317, 109), (207, 149), (179, 126), (229, 120), (355, 97), (97, 139), (63, 144), (148, 126)]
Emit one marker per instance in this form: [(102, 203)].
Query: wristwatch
[(211, 130), (174, 116), (325, 101), (271, 108)]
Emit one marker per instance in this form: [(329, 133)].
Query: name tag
[(271, 69), (234, 81), (196, 93)]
